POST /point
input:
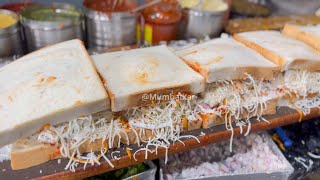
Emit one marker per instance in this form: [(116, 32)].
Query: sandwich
[(126, 118), (153, 90), (299, 79), (308, 34), (286, 52), (129, 75), (44, 93), (238, 81), (53, 85)]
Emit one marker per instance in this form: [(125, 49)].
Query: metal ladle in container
[(139, 8)]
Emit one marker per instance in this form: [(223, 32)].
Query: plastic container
[(147, 175), (161, 21), (51, 24), (108, 28)]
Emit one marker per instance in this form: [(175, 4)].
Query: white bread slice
[(307, 34), (286, 52), (28, 152), (155, 70), (52, 85), (226, 59)]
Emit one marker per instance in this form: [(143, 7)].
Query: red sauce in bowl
[(107, 5), (16, 7), (162, 21), (165, 12)]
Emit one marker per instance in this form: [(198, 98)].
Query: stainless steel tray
[(276, 175), (147, 175)]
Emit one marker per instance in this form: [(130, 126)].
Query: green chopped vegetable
[(121, 173), (45, 13)]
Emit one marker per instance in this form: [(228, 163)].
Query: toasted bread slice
[(286, 52), (30, 152), (189, 125), (307, 34), (195, 124), (210, 120), (271, 108), (128, 137), (238, 25), (132, 75), (52, 85), (226, 59)]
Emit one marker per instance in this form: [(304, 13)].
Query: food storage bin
[(274, 175), (10, 39), (161, 21), (206, 20), (147, 175), (45, 25), (108, 28)]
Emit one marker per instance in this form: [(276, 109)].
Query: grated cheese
[(231, 99), (301, 82), (302, 161), (165, 121), (86, 129), (161, 124), (314, 155)]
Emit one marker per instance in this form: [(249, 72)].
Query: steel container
[(10, 39), (106, 30), (39, 34), (281, 174), (149, 174), (199, 24)]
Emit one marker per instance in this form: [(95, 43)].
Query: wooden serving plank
[(268, 23), (53, 170)]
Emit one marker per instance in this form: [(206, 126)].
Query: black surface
[(306, 138)]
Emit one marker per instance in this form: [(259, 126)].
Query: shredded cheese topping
[(100, 127), (161, 124), (298, 86), (302, 83)]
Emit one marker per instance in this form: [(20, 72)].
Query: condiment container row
[(38, 26), (103, 24)]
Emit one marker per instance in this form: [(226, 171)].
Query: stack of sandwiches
[(299, 63), (59, 102)]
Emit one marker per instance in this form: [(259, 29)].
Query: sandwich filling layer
[(87, 139)]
